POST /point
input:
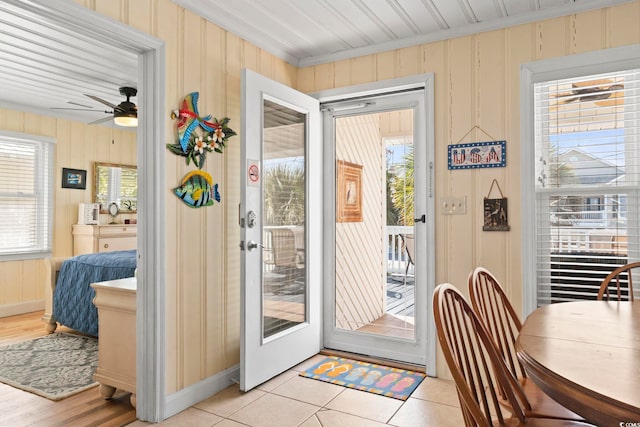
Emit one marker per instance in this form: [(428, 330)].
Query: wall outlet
[(454, 205)]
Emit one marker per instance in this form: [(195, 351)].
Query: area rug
[(55, 366), (377, 379)]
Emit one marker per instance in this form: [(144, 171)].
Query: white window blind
[(26, 190), (587, 171)]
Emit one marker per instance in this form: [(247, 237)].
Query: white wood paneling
[(307, 33), (360, 265)]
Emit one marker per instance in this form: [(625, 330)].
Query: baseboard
[(189, 396), (21, 308)]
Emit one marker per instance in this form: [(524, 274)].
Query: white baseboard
[(21, 308), (189, 396)]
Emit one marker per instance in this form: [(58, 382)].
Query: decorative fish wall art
[(198, 190), (197, 136)]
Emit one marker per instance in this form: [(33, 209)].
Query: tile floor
[(291, 400)]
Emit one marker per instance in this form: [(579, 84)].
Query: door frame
[(150, 351), (422, 81)]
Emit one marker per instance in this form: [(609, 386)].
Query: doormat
[(369, 377), (55, 366)]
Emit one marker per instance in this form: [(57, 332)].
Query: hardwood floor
[(88, 408)]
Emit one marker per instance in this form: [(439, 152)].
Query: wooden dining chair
[(477, 368), (498, 316), (619, 280)]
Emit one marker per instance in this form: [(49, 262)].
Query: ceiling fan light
[(126, 119)]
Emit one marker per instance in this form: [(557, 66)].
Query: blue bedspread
[(73, 295)]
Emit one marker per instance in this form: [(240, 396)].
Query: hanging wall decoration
[(489, 154), (198, 190), (495, 211), (197, 136)]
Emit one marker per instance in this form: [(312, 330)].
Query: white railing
[(569, 239), (396, 257)]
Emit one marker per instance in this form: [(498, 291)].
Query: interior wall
[(477, 83), (202, 265), (360, 280), (78, 146)]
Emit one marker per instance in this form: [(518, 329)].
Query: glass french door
[(281, 227), (377, 263)]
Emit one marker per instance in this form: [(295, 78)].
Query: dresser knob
[(106, 245)]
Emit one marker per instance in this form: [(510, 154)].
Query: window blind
[(587, 161), (26, 188)]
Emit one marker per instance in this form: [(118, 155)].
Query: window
[(583, 171), (26, 196)]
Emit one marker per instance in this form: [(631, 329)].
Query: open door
[(281, 220)]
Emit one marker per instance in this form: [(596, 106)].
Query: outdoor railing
[(396, 257)]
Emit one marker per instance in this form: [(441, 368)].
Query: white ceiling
[(310, 32), (44, 64)]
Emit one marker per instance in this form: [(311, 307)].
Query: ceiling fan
[(123, 114), (603, 92)]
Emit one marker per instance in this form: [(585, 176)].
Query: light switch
[(454, 205)]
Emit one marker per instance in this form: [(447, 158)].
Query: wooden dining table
[(586, 356)]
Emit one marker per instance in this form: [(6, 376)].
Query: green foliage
[(402, 190), (284, 202)]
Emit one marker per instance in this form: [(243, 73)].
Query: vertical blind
[(26, 189), (587, 160)]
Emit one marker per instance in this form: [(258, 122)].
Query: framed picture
[(495, 215), (74, 178), (349, 203)]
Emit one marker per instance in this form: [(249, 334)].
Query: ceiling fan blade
[(102, 120), (81, 109), (102, 101)]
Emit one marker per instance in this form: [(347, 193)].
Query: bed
[(69, 296)]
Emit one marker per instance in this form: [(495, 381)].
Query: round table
[(586, 355)]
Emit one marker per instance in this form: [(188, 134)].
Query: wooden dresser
[(116, 304), (89, 239)]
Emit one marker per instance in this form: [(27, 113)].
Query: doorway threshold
[(376, 360)]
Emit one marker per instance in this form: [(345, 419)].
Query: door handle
[(251, 245), (423, 218)]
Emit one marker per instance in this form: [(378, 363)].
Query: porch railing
[(396, 257)]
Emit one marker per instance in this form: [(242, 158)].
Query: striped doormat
[(369, 377)]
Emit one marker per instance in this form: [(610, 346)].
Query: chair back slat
[(620, 281), (475, 364), (498, 316)]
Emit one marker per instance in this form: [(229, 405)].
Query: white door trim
[(425, 81), (151, 192)]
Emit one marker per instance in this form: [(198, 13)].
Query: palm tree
[(402, 191), (284, 195)]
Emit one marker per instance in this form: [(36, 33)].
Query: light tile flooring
[(291, 400)]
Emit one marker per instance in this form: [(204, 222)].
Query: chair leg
[(406, 271)]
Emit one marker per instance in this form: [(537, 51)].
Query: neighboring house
[(594, 210)]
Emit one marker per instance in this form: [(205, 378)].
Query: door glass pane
[(374, 224), (284, 284)]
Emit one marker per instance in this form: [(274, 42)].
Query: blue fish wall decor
[(198, 190)]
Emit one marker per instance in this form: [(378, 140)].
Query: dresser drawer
[(119, 230), (110, 244), (89, 239)]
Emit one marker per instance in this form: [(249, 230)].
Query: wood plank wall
[(360, 270), (202, 255), (477, 83), (78, 146)]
